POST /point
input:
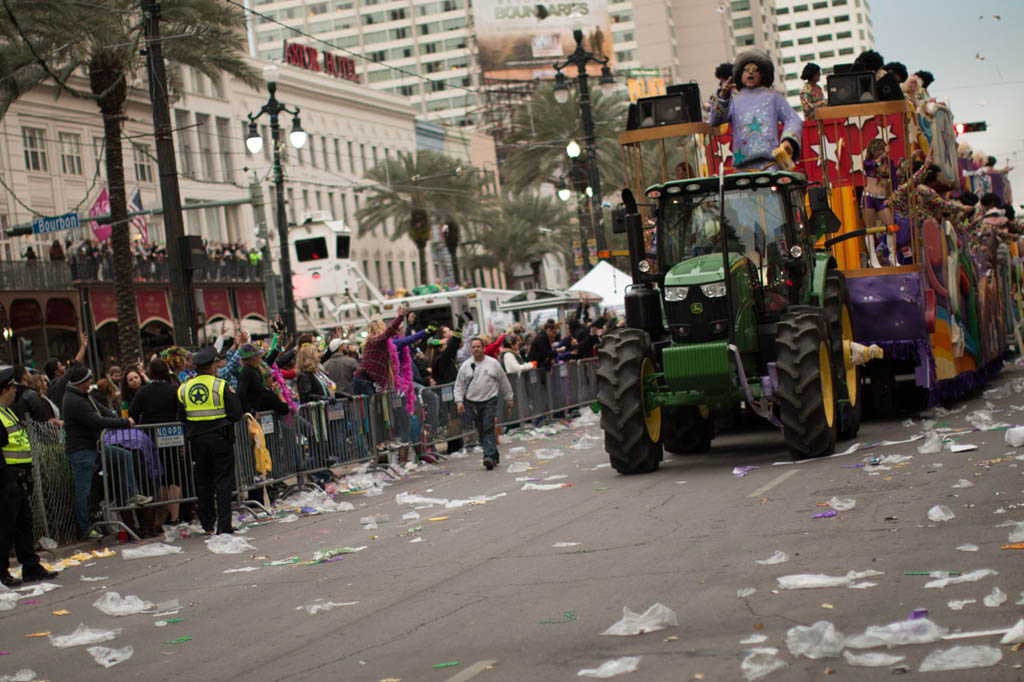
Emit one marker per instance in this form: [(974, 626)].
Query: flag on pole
[(139, 221), (100, 207)]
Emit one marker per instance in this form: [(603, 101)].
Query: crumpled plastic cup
[(657, 617), (113, 604), (940, 513), (1014, 437), (842, 504), (612, 667), (820, 640), (916, 631), (932, 444), (761, 661)]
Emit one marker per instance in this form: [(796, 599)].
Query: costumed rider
[(16, 492), (209, 408), (755, 110)]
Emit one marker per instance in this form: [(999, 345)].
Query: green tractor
[(731, 304)]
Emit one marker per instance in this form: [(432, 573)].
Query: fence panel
[(53, 497)]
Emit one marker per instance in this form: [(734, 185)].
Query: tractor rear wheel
[(685, 431), (840, 327), (806, 390), (631, 432)]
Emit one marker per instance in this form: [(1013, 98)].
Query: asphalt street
[(493, 592)]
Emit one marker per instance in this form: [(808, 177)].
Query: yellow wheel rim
[(827, 394), (652, 418), (852, 389)]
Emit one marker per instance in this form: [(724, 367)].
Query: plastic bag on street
[(779, 557), (971, 577), (803, 581), (872, 660), (228, 544), (820, 640), (840, 504), (917, 631), (49, 544), (23, 675), (1014, 635), (967, 547), (940, 513), (517, 467), (961, 658), (962, 483), (982, 420), (113, 604), (1017, 534), (657, 617), (761, 661), (149, 551), (1014, 437), (107, 657), (84, 634), (321, 606), (932, 444), (959, 604), (995, 598), (612, 667), (745, 592)]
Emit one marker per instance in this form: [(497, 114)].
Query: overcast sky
[(978, 64)]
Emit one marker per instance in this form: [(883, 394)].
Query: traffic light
[(25, 353), (976, 127)]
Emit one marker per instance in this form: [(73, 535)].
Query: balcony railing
[(43, 275)]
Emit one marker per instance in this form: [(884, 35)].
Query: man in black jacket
[(84, 422), (27, 401)]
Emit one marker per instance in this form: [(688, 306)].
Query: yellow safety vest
[(203, 398), (18, 449)]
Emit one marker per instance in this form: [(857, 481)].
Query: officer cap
[(204, 356), (6, 377)]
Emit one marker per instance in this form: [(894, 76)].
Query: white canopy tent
[(608, 282)]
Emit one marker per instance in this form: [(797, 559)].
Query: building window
[(781, 10), (351, 159), (800, 8), (740, 5), (227, 160), (784, 27), (70, 154), (143, 166), (820, 5), (822, 22), (362, 157), (807, 57), (803, 24), (788, 60), (743, 22), (786, 43), (98, 146), (319, 201), (205, 145), (841, 18), (827, 54), (185, 145), (805, 41), (842, 35), (337, 155), (374, 148), (312, 151), (323, 148), (845, 51), (307, 208), (824, 37), (35, 149)]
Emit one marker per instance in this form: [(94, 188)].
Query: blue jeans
[(361, 386), (485, 416), (120, 473), (83, 466)]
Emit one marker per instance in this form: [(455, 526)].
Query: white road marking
[(772, 483), (471, 672)]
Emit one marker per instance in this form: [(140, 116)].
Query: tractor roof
[(732, 181)]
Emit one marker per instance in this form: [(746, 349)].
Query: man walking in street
[(209, 409), (15, 493), (479, 382)]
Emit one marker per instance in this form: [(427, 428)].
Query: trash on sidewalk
[(779, 557), (1014, 635), (820, 640), (761, 661), (915, 631), (228, 544), (932, 444), (802, 581), (545, 486), (113, 604), (754, 639), (842, 504), (1014, 437), (940, 513), (84, 634), (149, 551), (995, 598), (1017, 534), (745, 592), (959, 604), (962, 483), (743, 471), (565, 544), (872, 660), (23, 675), (657, 617), (982, 421), (49, 544), (961, 658), (612, 667), (321, 606), (107, 657), (967, 547), (518, 467), (824, 515), (972, 576)]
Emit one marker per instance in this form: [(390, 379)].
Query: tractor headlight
[(676, 293), (713, 290), (644, 266)]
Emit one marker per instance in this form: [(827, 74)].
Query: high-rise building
[(826, 32)]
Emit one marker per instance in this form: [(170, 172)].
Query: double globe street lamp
[(254, 143)]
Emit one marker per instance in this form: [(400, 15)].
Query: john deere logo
[(696, 308), (198, 394)]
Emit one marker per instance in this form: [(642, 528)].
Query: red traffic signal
[(976, 127)]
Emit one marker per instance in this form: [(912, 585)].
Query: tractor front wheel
[(686, 431), (806, 390), (840, 323), (631, 432)]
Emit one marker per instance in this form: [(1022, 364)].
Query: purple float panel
[(887, 307)]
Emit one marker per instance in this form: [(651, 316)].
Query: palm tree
[(521, 231), (414, 191), (51, 40)]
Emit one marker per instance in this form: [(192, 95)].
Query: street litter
[(23, 675), (915, 631), (872, 660), (555, 477), (244, 569), (824, 515), (962, 447), (1017, 534), (36, 590), (801, 581), (932, 444), (612, 667), (961, 658), (779, 557), (49, 544), (842, 504), (179, 640), (321, 606), (743, 471), (325, 554), (84, 634), (518, 467), (567, 617), (971, 577), (411, 516), (1014, 635), (149, 551), (565, 544), (962, 483), (820, 640), (761, 661), (422, 502), (754, 639), (228, 544), (1014, 437), (113, 604), (318, 501), (544, 454), (967, 548), (982, 421), (657, 617), (995, 598), (940, 513), (745, 592), (110, 657), (545, 486), (959, 604), (418, 539)]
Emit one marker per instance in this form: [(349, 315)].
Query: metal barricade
[(53, 494), (143, 467)]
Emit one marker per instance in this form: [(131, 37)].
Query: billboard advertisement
[(522, 39)]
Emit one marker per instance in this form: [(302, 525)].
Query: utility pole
[(262, 231), (183, 304)]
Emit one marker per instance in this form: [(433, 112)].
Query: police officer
[(15, 492), (209, 407)]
